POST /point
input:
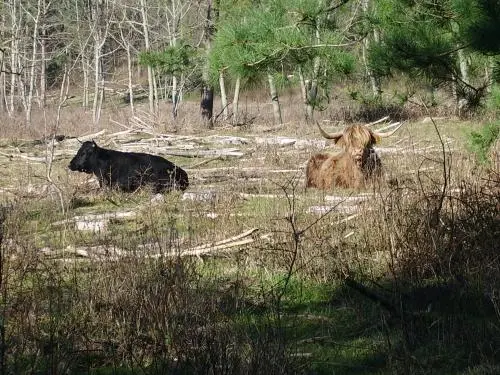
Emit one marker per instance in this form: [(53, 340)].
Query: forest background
[(407, 281)]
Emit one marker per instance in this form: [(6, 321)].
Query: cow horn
[(334, 136), (388, 134)]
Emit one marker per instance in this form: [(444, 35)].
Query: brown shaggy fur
[(352, 167)]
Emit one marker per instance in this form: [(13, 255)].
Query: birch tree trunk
[(151, 83), (32, 71), (174, 13), (172, 30), (175, 97), (126, 43), (236, 101), (86, 82), (274, 100), (43, 68), (99, 35), (98, 78), (156, 96), (3, 81), (42, 100), (223, 96), (82, 40), (14, 56), (303, 91), (464, 66), (130, 77)]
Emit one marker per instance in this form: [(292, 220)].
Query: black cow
[(128, 170)]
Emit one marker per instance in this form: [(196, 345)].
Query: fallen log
[(114, 253), (206, 153), (92, 136)]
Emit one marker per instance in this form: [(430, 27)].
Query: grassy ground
[(401, 278)]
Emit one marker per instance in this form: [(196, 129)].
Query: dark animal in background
[(352, 167), (128, 170)]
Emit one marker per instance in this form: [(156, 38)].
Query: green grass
[(325, 327), (481, 141)]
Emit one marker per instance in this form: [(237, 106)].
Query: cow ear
[(94, 144), (377, 139)]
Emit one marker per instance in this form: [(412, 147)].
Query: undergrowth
[(408, 284), (482, 141)]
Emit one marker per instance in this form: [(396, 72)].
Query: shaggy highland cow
[(351, 168)]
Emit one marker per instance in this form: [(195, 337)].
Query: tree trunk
[(130, 81), (207, 91), (98, 81), (236, 101), (43, 57), (43, 69), (223, 96), (100, 35), (312, 92), (207, 106), (374, 81), (130, 78), (3, 81), (32, 72), (14, 58), (81, 38), (464, 66), (303, 91), (274, 100), (145, 29), (488, 73), (156, 95), (175, 97), (86, 82)]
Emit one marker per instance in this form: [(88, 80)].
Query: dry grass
[(422, 245)]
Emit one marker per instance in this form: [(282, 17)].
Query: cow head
[(357, 141), (83, 159)]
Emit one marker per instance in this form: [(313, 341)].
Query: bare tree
[(99, 13), (33, 62), (145, 28), (127, 45), (43, 55), (15, 27), (175, 13), (2, 64)]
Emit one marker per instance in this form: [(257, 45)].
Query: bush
[(493, 101), (481, 142)]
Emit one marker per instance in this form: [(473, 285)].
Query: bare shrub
[(428, 242), (168, 314)]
